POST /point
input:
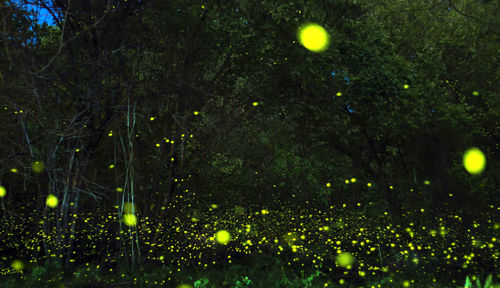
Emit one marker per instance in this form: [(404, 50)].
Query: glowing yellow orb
[(3, 191), (37, 166), (52, 201), (128, 208), (17, 265), (129, 219), (345, 259), (313, 37), (474, 161), (222, 237)]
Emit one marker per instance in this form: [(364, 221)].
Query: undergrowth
[(254, 271)]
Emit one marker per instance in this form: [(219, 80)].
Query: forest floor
[(268, 248)]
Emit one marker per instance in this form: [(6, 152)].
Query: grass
[(269, 248), (257, 271)]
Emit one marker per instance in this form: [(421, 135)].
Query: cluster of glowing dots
[(474, 161), (313, 37)]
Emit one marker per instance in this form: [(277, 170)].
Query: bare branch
[(62, 44), (462, 13)]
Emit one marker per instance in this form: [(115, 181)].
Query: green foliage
[(488, 283), (201, 283), (245, 282)]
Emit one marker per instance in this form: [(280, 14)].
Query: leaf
[(392, 150), (373, 166), (468, 283), (488, 283)]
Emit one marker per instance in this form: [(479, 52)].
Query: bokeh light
[(474, 161), (37, 167), (129, 208), (129, 219), (313, 37), (17, 265), (52, 201), (222, 237), (345, 259)]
